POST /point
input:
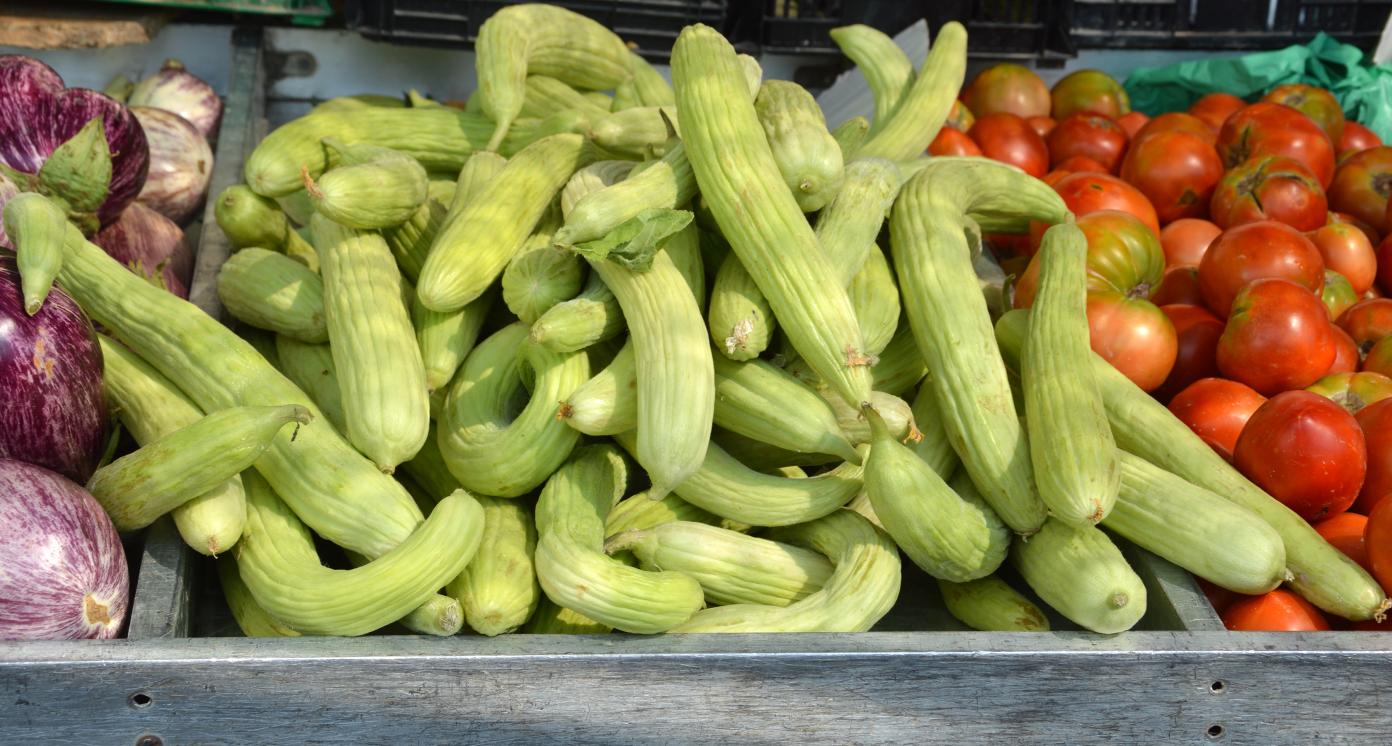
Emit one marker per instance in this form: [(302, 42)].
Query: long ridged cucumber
[(445, 339), (923, 106), (875, 298), (430, 472), (731, 567), (640, 511), (740, 319), (946, 535), (249, 219), (862, 588), (410, 241), (181, 465), (1219, 541), (759, 400), (896, 413), (667, 183), (278, 562), (551, 618), (933, 445), (808, 157), (271, 291), (990, 605), (592, 178), (1071, 446), (605, 404), (311, 367), (761, 456), (253, 620), (571, 563), (151, 407), (589, 318), (649, 86), (488, 449), (545, 96), (732, 490), (37, 229), (952, 325), (886, 68), (386, 405), (540, 39), (849, 135), (641, 132), (475, 245), (848, 226), (1079, 572), (756, 212), (1142, 426), (900, 366), (498, 588), (372, 187)]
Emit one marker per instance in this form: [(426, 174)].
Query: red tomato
[(1256, 251), (1133, 335), (1345, 352), (1316, 103), (1088, 134), (1384, 263), (1376, 422), (1353, 391), (1305, 451), (952, 142), (1270, 187), (1177, 121), (1042, 125), (1006, 138), (1379, 358), (1338, 295), (1368, 321), (1218, 597), (1176, 171), (1007, 88), (1132, 122), (1123, 256), (1215, 108), (1377, 539), (1089, 90), (1277, 611), (1342, 217), (1273, 129), (1346, 250), (1362, 185), (1180, 286), (1085, 193), (959, 117), (1052, 179), (1079, 164), (1277, 338), (1197, 332), (1345, 532), (1216, 409), (1357, 137), (1185, 241)]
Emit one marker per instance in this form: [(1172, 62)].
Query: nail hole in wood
[(1215, 732), (1217, 687), (149, 740), (140, 700)]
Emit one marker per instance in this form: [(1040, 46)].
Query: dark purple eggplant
[(64, 573), (150, 245), (177, 90), (181, 164), (38, 114), (52, 408)]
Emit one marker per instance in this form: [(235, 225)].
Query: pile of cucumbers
[(598, 352)]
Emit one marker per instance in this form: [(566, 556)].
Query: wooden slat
[(68, 25), (1075, 688)]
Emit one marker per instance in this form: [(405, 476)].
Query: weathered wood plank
[(66, 25), (1074, 688)]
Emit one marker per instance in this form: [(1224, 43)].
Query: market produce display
[(594, 351)]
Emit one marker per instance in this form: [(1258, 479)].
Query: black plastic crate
[(1224, 24), (650, 25), (996, 28)]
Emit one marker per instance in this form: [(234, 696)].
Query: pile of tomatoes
[(1236, 268)]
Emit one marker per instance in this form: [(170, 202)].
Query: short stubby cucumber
[(808, 157), (641, 132), (386, 405), (498, 588), (946, 535), (1081, 574), (539, 278), (251, 220), (156, 478), (571, 563), (271, 291), (849, 135), (759, 400), (897, 415), (923, 106), (592, 178), (886, 68), (667, 183), (1071, 446), (488, 448), (538, 39), (37, 229), (740, 183), (311, 367), (740, 319), (605, 404), (546, 96), (445, 339), (989, 604), (372, 187), (731, 567), (475, 245), (278, 562), (863, 586), (589, 318), (151, 407)]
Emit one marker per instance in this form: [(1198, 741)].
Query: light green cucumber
[(498, 588), (430, 472), (808, 157), (372, 187), (1081, 574), (923, 106), (540, 276), (271, 291), (641, 511), (759, 400), (990, 605), (589, 318), (253, 620), (546, 96), (37, 229), (740, 319), (553, 619), (875, 298), (886, 68), (249, 219), (849, 135), (933, 446), (445, 339), (311, 368), (606, 403), (639, 132)]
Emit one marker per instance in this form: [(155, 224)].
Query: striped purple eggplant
[(177, 90), (63, 573), (181, 164), (150, 245), (54, 411), (37, 114)]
